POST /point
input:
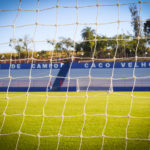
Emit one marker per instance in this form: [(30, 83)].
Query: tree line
[(94, 45)]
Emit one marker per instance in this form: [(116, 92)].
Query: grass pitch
[(117, 109)]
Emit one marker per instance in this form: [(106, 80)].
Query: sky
[(84, 15)]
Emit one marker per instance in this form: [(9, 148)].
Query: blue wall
[(80, 71)]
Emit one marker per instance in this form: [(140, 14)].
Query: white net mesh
[(94, 117)]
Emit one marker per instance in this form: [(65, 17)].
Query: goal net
[(75, 74)]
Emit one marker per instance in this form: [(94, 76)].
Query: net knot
[(47, 95), (72, 57), (110, 90), (134, 77), (54, 41), (13, 26), (118, 4), (89, 77), (59, 135), (77, 23), (38, 135), (50, 76), (19, 132), (4, 114), (55, 25), (10, 77), (95, 40), (32, 41), (103, 135), (7, 97), (111, 78), (51, 60), (138, 38), (86, 95), (19, 9), (96, 25), (36, 23), (118, 21), (136, 57), (66, 95), (30, 77), (84, 114), (114, 58)]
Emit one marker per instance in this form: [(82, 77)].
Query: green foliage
[(66, 45), (101, 46), (147, 27), (135, 20), (21, 46), (123, 45), (58, 46), (147, 30), (43, 54), (88, 34), (19, 49)]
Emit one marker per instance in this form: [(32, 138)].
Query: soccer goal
[(75, 74)]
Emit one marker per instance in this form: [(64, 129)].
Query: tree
[(147, 29), (26, 41), (137, 31), (135, 20), (65, 44), (43, 54), (18, 48), (15, 44), (123, 45), (101, 46), (78, 47), (21, 45), (131, 46), (88, 35), (126, 46), (58, 46)]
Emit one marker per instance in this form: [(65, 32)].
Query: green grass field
[(115, 131)]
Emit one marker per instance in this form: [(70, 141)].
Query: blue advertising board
[(76, 65), (101, 74)]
